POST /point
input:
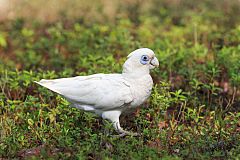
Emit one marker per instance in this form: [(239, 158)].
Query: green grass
[(193, 112)]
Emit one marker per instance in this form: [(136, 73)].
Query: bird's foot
[(123, 133), (129, 134)]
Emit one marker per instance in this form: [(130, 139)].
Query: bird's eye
[(144, 59)]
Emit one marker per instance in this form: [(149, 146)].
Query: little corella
[(110, 95)]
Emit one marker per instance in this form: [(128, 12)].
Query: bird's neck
[(130, 70)]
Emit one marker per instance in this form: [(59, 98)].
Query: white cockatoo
[(109, 95)]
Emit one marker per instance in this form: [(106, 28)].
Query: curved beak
[(154, 62)]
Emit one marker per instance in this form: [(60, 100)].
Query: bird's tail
[(49, 84)]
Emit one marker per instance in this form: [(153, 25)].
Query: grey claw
[(126, 133)]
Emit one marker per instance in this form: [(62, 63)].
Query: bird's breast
[(141, 89)]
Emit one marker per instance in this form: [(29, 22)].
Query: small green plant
[(193, 111)]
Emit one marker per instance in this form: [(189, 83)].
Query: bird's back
[(94, 92)]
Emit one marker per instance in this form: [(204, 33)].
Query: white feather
[(108, 94)]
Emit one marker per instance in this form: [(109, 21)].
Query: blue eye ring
[(144, 59)]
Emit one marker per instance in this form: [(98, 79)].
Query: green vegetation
[(193, 112)]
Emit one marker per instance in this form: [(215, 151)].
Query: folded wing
[(100, 91)]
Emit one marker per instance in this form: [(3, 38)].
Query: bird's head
[(140, 61)]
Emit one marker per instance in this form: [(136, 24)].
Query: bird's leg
[(121, 131), (113, 116)]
